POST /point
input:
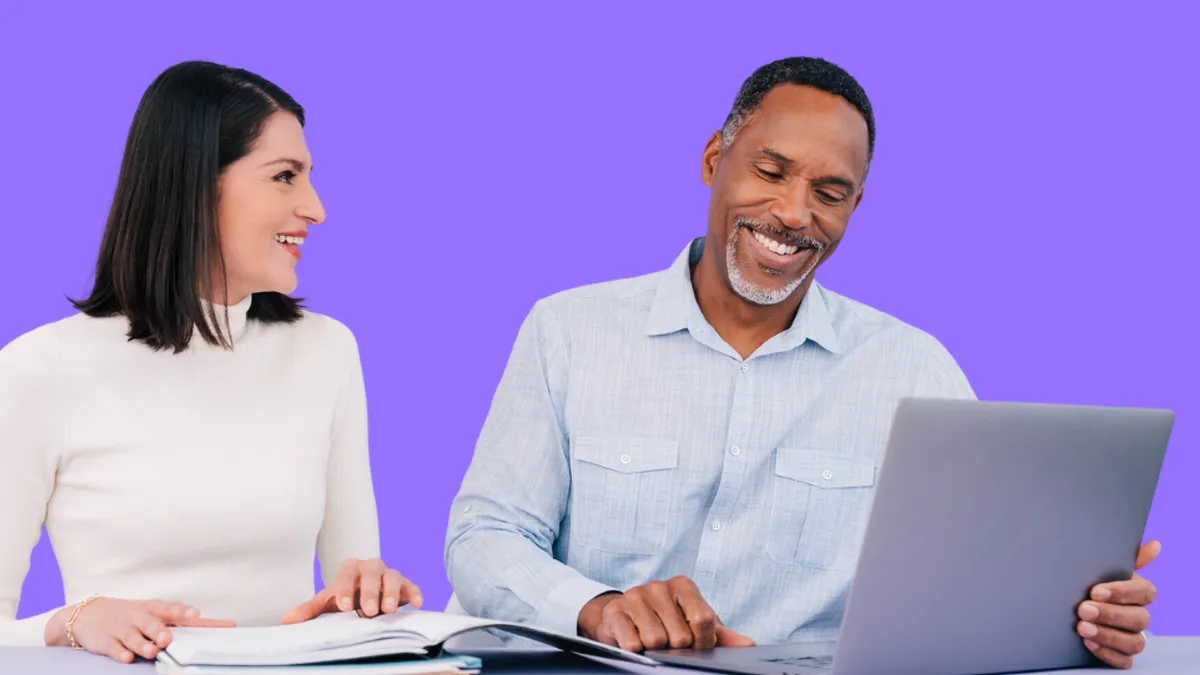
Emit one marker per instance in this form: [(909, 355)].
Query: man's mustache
[(791, 238)]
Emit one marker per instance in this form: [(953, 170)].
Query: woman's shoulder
[(35, 349), (325, 331)]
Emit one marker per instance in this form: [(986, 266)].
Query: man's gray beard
[(757, 294)]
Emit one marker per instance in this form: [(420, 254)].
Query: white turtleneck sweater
[(208, 477)]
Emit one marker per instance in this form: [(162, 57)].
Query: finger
[(617, 628), (321, 603), (1147, 554), (172, 611), (651, 631), (207, 623), (1111, 638), (370, 587), (117, 651), (133, 639), (345, 583), (1112, 658), (727, 637), (1121, 617), (1136, 591), (392, 583), (662, 602), (700, 617), (410, 594), (154, 628)]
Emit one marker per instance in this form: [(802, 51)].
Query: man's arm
[(506, 517), (941, 376)]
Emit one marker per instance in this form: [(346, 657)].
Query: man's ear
[(710, 159)]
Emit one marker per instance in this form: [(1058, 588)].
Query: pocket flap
[(626, 454), (824, 469)]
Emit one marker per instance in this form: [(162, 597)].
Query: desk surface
[(1163, 656)]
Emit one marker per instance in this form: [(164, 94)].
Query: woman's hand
[(121, 629), (367, 586)]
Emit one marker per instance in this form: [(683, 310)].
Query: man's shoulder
[(616, 300), (860, 324)]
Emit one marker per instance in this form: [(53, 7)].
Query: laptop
[(990, 523)]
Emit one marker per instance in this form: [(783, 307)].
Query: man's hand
[(657, 615), (1112, 621)]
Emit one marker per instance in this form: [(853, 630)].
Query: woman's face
[(267, 203)]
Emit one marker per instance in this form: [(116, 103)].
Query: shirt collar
[(675, 308), (238, 316)]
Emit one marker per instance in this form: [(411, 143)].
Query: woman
[(191, 436)]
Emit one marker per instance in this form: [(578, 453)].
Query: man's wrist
[(589, 616)]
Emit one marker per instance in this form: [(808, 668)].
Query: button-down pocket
[(818, 507), (621, 492)]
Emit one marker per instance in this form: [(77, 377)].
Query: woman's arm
[(351, 526), (31, 432)]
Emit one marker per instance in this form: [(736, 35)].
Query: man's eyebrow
[(777, 156), (846, 183), (839, 181)]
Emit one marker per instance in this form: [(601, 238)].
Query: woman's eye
[(286, 177)]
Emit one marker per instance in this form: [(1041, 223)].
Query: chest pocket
[(818, 507), (621, 491)]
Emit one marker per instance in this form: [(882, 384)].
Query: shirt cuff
[(30, 632), (560, 610)]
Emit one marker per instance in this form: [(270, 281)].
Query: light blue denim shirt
[(627, 442)]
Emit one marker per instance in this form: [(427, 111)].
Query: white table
[(1164, 655)]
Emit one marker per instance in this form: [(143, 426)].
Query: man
[(687, 458)]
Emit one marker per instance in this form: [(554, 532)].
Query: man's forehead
[(797, 117)]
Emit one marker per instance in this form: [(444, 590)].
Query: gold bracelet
[(75, 615)]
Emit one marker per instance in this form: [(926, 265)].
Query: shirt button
[(827, 474), (745, 367), (735, 451), (716, 526), (625, 459)]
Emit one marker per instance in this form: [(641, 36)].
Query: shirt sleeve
[(506, 516), (941, 376), (351, 525), (30, 444)]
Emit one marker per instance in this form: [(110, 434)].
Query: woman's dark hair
[(161, 249)]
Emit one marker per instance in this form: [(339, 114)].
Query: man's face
[(783, 192)]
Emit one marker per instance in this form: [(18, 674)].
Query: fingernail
[(1089, 611), (192, 612), (1102, 593), (1091, 645), (389, 604), (345, 604), (162, 639), (149, 651), (418, 600), (1087, 629), (369, 607)]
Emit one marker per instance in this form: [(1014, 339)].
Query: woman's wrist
[(60, 628), (56, 628)]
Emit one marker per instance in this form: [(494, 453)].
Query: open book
[(403, 637)]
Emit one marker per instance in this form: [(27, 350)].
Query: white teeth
[(297, 241), (774, 246)]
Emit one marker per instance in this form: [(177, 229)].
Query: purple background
[(1030, 204)]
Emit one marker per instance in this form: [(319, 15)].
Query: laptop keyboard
[(803, 661)]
